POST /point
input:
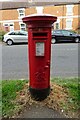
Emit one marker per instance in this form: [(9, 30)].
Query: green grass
[(9, 89), (73, 89)]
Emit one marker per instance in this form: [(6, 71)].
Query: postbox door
[(39, 45)]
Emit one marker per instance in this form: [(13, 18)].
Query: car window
[(12, 33), (57, 32), (67, 33), (18, 33), (22, 33)]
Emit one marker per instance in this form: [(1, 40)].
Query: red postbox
[(39, 44)]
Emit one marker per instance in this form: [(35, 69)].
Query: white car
[(15, 37)]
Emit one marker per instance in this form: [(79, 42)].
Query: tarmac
[(38, 111)]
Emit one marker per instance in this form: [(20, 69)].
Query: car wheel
[(53, 40), (9, 42), (76, 40)]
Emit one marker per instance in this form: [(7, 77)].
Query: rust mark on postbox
[(39, 47)]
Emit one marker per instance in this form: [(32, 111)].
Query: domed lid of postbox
[(39, 20)]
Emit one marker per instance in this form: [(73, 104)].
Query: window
[(21, 12), (66, 33), (22, 33), (57, 25), (69, 9), (57, 32), (11, 33), (19, 33), (68, 23), (6, 26), (22, 26), (11, 26)]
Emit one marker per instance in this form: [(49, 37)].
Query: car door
[(72, 35), (58, 34), (23, 36), (67, 35), (13, 36)]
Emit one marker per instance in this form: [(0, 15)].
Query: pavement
[(39, 111)]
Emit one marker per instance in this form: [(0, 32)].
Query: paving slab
[(38, 111)]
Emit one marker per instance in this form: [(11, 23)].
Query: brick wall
[(12, 16), (9, 14)]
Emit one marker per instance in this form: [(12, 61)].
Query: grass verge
[(71, 85), (64, 96), (9, 93), (72, 89)]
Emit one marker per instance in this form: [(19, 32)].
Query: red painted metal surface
[(39, 32)]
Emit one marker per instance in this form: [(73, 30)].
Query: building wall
[(29, 11), (57, 10), (63, 16), (9, 14), (8, 17), (13, 19)]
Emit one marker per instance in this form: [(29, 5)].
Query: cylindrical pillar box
[(39, 46)]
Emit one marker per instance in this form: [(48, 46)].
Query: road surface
[(64, 61)]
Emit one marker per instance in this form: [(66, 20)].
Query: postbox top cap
[(32, 15), (39, 19)]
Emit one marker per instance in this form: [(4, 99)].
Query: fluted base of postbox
[(39, 95)]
